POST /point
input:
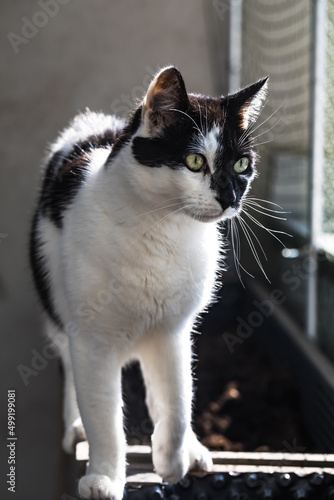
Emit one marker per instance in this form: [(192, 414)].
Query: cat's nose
[(227, 198)]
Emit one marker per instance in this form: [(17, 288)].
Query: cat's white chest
[(168, 273)]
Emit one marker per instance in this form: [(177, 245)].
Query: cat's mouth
[(214, 216), (207, 217)]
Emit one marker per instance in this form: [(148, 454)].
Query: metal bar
[(140, 457), (318, 103), (235, 475)]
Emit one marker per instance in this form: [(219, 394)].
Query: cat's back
[(98, 128), (80, 149)]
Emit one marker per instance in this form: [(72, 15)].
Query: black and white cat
[(124, 251)]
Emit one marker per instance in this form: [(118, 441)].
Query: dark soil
[(243, 403)]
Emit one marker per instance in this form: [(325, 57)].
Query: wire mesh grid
[(328, 221), (276, 42)]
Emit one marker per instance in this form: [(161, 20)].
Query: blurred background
[(61, 56)]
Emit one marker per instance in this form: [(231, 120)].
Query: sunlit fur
[(124, 250)]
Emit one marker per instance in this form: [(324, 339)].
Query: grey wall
[(84, 53)]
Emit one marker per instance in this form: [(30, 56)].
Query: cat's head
[(195, 151)]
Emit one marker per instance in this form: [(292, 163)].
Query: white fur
[(207, 145), (131, 269), (81, 127)]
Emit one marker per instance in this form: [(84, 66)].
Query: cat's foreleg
[(97, 373), (166, 363)]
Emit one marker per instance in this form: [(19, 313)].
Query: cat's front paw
[(199, 456), (98, 487), (172, 463), (74, 433), (169, 453)]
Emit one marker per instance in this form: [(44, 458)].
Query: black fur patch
[(41, 275), (61, 183), (170, 147), (65, 174), (155, 152), (125, 135)]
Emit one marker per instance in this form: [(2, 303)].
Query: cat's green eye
[(241, 165), (195, 161)]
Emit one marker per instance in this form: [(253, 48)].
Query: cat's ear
[(248, 102), (166, 94)]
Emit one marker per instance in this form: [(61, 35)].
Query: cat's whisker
[(261, 143), (251, 129), (237, 252), (252, 198), (233, 235), (244, 135), (237, 243), (266, 131), (245, 228), (222, 225), (268, 118), (251, 204), (186, 114), (251, 139), (264, 213), (245, 141), (273, 232), (240, 218), (237, 240)]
